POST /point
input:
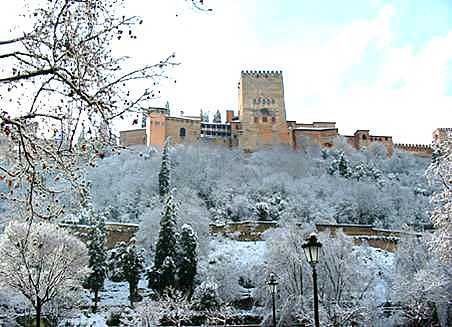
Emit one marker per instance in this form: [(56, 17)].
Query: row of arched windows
[(262, 100)]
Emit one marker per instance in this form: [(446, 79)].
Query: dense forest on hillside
[(217, 184)]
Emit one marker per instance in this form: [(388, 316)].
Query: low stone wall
[(243, 230), (116, 232), (375, 237)]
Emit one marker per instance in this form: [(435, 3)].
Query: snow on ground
[(240, 252), (93, 320)]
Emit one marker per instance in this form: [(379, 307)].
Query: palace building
[(260, 122)]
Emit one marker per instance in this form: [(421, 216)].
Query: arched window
[(364, 137), (182, 132)]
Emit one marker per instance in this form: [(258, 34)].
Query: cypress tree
[(131, 265), (159, 276), (217, 117), (187, 259), (97, 255), (165, 170), (344, 171)]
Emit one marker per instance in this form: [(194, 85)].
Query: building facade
[(260, 122)]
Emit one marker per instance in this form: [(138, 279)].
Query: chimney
[(229, 115)]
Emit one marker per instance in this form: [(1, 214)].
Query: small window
[(364, 137), (264, 119), (256, 120), (273, 120), (182, 132)]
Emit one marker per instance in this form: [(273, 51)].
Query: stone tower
[(262, 112)]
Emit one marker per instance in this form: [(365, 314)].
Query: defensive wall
[(116, 232), (261, 122), (421, 150), (375, 237)]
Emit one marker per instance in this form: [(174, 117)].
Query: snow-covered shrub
[(230, 262), (421, 282), (42, 262), (206, 296)]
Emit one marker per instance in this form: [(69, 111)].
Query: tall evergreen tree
[(165, 247), (165, 171), (97, 256), (217, 117), (127, 261), (187, 259), (344, 171)]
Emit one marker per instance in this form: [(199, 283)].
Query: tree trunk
[(131, 293), (96, 300), (38, 312)]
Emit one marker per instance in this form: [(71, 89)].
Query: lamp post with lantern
[(272, 282), (311, 249)]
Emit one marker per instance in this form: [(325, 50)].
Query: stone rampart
[(375, 237), (116, 232), (422, 150)]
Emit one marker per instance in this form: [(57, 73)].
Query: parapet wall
[(262, 73), (116, 232), (422, 150), (375, 237)]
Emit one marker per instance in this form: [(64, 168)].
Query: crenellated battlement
[(419, 149), (262, 73)]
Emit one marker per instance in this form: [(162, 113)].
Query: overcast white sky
[(366, 64)]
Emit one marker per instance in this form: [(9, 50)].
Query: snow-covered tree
[(339, 166), (421, 283), (165, 250), (187, 259), (204, 116), (206, 296), (165, 171), (126, 263), (262, 210), (41, 261), (217, 117), (97, 256), (345, 282), (439, 173)]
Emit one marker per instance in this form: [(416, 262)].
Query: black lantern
[(311, 249), (272, 283)]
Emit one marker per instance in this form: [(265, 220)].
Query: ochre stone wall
[(323, 138), (161, 127), (252, 231), (133, 137), (362, 138), (416, 149), (156, 129), (192, 129), (262, 111), (243, 231), (116, 232)]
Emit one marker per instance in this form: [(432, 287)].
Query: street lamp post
[(311, 249), (272, 282)]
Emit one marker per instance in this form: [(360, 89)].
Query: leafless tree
[(47, 266), (60, 89)]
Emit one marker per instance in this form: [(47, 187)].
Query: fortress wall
[(133, 137), (116, 232), (421, 150)]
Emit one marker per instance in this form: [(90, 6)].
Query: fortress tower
[(262, 111)]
